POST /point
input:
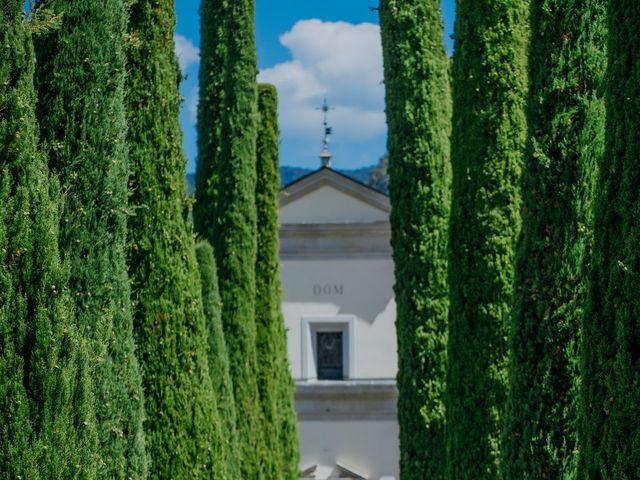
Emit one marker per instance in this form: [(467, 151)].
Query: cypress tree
[(218, 356), (288, 421), (610, 431), (182, 427), (230, 196), (489, 132), (46, 404), (418, 100), (80, 78), (565, 145), (213, 62), (275, 385)]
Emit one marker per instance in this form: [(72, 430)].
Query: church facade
[(339, 310)]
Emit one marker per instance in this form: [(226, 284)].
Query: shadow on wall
[(363, 289)]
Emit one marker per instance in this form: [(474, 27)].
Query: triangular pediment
[(326, 196), (344, 471), (320, 472)]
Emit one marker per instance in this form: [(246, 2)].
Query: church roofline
[(328, 176), (337, 172)]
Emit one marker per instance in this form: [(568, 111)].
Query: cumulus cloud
[(335, 60), (188, 54), (191, 103)]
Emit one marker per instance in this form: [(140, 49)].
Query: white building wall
[(362, 288), (337, 274), (351, 445), (358, 431), (327, 205)]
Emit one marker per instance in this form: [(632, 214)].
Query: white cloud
[(188, 54), (191, 103), (336, 60)]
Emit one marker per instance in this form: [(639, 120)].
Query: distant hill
[(360, 174), (291, 174)]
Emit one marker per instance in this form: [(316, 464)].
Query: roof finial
[(325, 156)]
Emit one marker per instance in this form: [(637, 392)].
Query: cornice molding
[(348, 400), (335, 240)]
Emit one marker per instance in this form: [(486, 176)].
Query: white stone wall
[(327, 205), (362, 288), (370, 448), (337, 273)]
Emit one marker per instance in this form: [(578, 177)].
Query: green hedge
[(183, 427), (418, 100), (213, 65), (230, 203), (611, 377), (219, 356), (489, 131), (566, 140), (80, 74), (48, 425), (274, 380)]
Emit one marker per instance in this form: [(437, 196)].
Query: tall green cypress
[(80, 82), (275, 385), (418, 99), (566, 139), (232, 227), (489, 132), (219, 356), (183, 427), (610, 412), (46, 405), (213, 62), (288, 421)]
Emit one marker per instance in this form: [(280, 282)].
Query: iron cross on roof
[(325, 156)]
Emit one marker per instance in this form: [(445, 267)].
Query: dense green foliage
[(218, 356), (213, 65), (288, 421), (418, 99), (567, 62), (274, 379), (230, 153), (610, 432), (489, 132), (46, 405), (183, 427), (80, 82), (268, 287)]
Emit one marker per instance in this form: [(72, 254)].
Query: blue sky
[(310, 50)]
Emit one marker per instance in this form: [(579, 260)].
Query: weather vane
[(325, 156)]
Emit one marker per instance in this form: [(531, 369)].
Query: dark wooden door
[(330, 357)]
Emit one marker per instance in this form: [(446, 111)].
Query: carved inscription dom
[(328, 289)]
